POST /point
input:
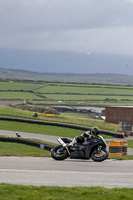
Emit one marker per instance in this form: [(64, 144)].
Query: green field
[(11, 85), (18, 95), (68, 93), (87, 89), (86, 97)]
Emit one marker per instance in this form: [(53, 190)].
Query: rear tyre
[(59, 153), (99, 156)]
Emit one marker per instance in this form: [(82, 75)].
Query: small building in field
[(117, 114)]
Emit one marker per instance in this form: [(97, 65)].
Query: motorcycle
[(95, 148)]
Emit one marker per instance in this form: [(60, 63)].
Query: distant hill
[(66, 62), (66, 77), (98, 75), (66, 66)]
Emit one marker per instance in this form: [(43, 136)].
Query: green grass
[(18, 95), (15, 149), (40, 129), (85, 97), (93, 85), (114, 92), (19, 192), (126, 157), (130, 143), (11, 85), (89, 89), (17, 113)]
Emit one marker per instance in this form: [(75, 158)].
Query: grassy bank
[(15, 149), (19, 192), (41, 129), (17, 113)]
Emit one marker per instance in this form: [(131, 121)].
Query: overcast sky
[(87, 26)]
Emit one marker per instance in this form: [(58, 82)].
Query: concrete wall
[(119, 114)]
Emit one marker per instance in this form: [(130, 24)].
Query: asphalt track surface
[(70, 172)]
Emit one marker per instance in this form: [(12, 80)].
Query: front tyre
[(59, 153), (99, 155)]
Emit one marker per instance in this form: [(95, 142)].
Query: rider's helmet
[(95, 131), (80, 139)]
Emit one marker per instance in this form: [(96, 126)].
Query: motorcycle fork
[(67, 150)]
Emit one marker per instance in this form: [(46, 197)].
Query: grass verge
[(17, 113), (126, 157), (41, 129), (19, 192), (17, 149)]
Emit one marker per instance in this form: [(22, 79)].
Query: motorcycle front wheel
[(59, 153), (99, 156)]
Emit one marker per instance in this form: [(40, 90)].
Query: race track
[(46, 171)]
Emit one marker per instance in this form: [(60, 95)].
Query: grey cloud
[(72, 25), (64, 14)]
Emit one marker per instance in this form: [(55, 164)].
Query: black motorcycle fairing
[(66, 140), (85, 149), (77, 154), (90, 145)]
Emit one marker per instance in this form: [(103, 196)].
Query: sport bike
[(94, 148)]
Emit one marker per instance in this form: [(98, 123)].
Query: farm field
[(84, 97), (12, 85), (86, 89), (18, 95), (67, 93)]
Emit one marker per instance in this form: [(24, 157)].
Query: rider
[(80, 139)]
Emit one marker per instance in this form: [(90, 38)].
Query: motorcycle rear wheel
[(59, 153), (99, 156)]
